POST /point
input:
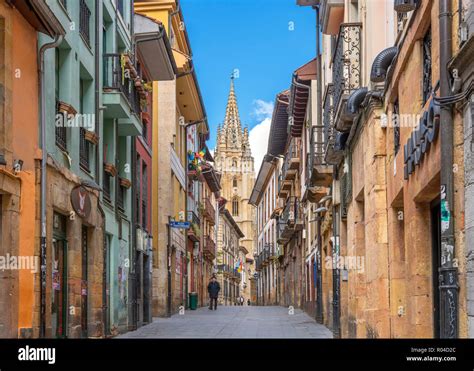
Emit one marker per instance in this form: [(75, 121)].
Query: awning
[(262, 180), (40, 16), (154, 48), (211, 178), (279, 126), (299, 96)]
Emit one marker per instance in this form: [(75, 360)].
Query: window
[(145, 130), (83, 143), (235, 206), (396, 126), (121, 198), (144, 196), (60, 129), (120, 7), (234, 182), (83, 149), (138, 187), (106, 190), (84, 22), (427, 66)]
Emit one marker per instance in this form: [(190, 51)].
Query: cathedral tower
[(233, 159)]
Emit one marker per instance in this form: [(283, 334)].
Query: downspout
[(335, 271), (448, 283), (97, 165), (44, 158)]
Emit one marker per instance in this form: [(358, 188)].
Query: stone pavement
[(234, 322)]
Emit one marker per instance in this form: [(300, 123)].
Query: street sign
[(181, 225)]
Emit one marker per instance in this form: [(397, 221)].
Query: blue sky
[(265, 40)]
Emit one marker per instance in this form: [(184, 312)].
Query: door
[(59, 289), (84, 283), (146, 288), (436, 263)]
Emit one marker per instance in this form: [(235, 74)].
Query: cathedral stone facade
[(234, 161)]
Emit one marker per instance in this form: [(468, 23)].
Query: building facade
[(20, 161), (235, 164), (229, 238), (178, 107), (389, 266)]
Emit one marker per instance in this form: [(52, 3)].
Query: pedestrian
[(242, 300), (248, 302), (213, 289)]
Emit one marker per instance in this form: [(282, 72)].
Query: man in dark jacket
[(213, 288)]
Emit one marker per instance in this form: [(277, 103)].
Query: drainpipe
[(335, 272), (97, 164), (319, 285), (168, 263), (448, 273), (58, 39)]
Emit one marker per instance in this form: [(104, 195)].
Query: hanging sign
[(81, 202)]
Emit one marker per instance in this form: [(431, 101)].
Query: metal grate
[(117, 78), (84, 21), (120, 198), (84, 160), (347, 61), (106, 185), (427, 66), (396, 127)]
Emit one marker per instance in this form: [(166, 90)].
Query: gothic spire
[(232, 129)]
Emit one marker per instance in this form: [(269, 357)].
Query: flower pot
[(91, 137), (111, 169), (126, 183), (65, 107)]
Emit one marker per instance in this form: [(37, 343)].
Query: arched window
[(234, 182), (235, 206)]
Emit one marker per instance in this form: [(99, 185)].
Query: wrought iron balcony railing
[(290, 220), (209, 211), (209, 248), (346, 64), (292, 159), (291, 211), (258, 262), (84, 21), (117, 78)]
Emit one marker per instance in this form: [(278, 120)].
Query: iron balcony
[(346, 71), (290, 221)]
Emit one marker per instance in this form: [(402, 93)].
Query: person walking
[(213, 289), (242, 300)]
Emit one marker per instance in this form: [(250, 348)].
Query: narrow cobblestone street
[(234, 322)]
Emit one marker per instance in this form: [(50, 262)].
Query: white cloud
[(258, 138), (262, 109)]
